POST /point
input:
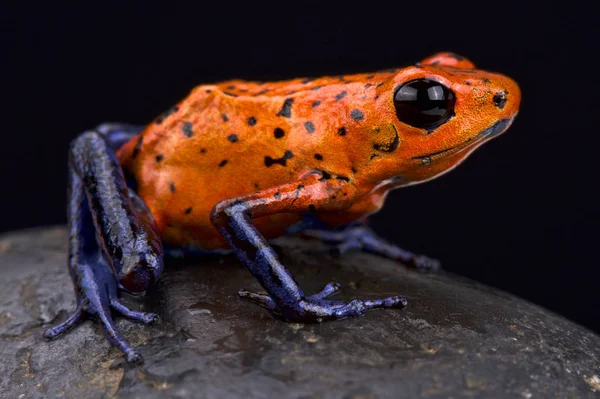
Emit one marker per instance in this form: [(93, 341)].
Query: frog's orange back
[(237, 137)]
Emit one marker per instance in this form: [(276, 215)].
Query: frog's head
[(441, 110)]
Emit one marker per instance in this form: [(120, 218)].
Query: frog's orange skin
[(238, 138)]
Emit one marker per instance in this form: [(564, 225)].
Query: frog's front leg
[(361, 237), (113, 243), (285, 298)]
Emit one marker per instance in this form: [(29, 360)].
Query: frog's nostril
[(500, 99)]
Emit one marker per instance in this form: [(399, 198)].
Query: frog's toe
[(104, 318), (327, 291), (142, 317), (73, 320), (133, 356), (259, 299), (116, 339)]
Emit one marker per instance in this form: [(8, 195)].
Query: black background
[(520, 214)]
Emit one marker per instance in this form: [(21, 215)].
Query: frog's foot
[(364, 239), (97, 298), (315, 308)]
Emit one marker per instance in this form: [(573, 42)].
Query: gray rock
[(456, 339)]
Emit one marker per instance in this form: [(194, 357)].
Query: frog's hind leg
[(361, 237), (112, 240)]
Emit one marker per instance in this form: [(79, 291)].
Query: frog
[(238, 163)]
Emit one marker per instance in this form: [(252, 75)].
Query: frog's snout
[(506, 97)]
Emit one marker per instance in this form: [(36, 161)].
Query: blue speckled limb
[(363, 238), (104, 217), (284, 297)]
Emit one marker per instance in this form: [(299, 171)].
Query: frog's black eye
[(424, 103)]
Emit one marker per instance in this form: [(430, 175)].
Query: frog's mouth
[(488, 133)]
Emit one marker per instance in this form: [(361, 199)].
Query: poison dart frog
[(237, 163)]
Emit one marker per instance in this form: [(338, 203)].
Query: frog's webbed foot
[(97, 297), (316, 308), (365, 239)]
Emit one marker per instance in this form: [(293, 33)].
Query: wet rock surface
[(455, 339)]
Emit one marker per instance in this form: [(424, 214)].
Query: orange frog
[(237, 163)]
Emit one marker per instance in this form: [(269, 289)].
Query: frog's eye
[(424, 103)]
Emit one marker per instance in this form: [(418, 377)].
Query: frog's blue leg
[(284, 297), (112, 239), (363, 238)]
